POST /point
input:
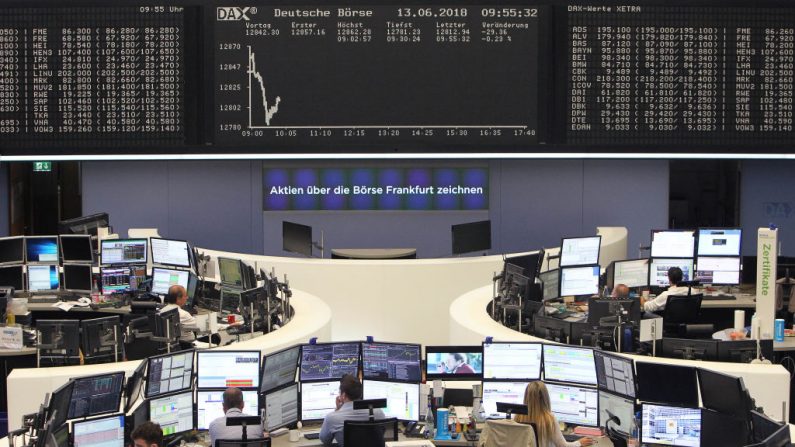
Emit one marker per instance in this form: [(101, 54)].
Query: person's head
[(350, 388), (454, 360), (675, 276), (148, 434), (620, 291), (233, 398), (539, 411), (177, 295)]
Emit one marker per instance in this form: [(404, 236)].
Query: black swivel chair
[(681, 317), (256, 442), (370, 433)]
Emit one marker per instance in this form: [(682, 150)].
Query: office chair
[(681, 317), (256, 442), (370, 433), (508, 433)]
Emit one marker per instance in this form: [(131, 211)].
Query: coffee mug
[(294, 435)]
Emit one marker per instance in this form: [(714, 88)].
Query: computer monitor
[(58, 436), (115, 280), (673, 243), (472, 236), (12, 250), (574, 404), (60, 336), (100, 432), (724, 430), (281, 407), (224, 369), (579, 280), (230, 301), (507, 392), (170, 252), (329, 361), (689, 349), (209, 406), (630, 272), (77, 278), (169, 373), (134, 386), (615, 373), (43, 278), (551, 284), (718, 270), (123, 251), (725, 394), (101, 337), (658, 270), (454, 362), (42, 249), (84, 224), (604, 311), (512, 361), (163, 279), (719, 241), (669, 425), (391, 361), (766, 429), (174, 413), (96, 395), (580, 251), (12, 276), (552, 328), (231, 272), (58, 411), (743, 351), (402, 399), (569, 365), (593, 336), (318, 399), (297, 238), (76, 248), (530, 263), (667, 384), (613, 406), (279, 368)]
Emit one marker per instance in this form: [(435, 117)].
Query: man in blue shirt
[(350, 390), (233, 407)]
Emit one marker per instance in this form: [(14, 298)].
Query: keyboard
[(44, 299), (719, 298), (571, 437), (312, 435)]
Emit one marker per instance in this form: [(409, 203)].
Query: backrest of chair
[(682, 309), (508, 433), (254, 442), (370, 433)]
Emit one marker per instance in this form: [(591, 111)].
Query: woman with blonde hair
[(539, 412)]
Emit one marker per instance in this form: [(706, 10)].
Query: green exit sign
[(42, 166)]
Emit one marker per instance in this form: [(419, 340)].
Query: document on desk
[(11, 337)]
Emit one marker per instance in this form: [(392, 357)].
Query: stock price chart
[(376, 75)]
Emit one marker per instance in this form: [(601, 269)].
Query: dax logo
[(778, 209), (234, 13)]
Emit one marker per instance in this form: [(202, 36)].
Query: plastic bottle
[(634, 439), (430, 431)]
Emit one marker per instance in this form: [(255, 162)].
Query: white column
[(766, 259)]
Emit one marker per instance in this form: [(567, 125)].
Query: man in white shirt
[(675, 279), (233, 407), (176, 298)]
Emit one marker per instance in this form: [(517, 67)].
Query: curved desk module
[(27, 386), (471, 324)]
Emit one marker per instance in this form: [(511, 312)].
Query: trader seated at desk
[(233, 407), (675, 279), (620, 291), (333, 423), (176, 298)]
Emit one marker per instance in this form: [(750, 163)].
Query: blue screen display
[(42, 249)]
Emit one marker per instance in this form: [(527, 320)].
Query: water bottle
[(430, 432), (634, 438)]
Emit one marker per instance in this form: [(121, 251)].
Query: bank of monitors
[(507, 392), (454, 362), (329, 361), (631, 272), (297, 238), (95, 395), (77, 248), (670, 425), (279, 368), (77, 278), (43, 278), (472, 236), (209, 405), (403, 399), (281, 407), (615, 374), (579, 280), (391, 361), (658, 270), (174, 412), (551, 284), (574, 405), (318, 399), (667, 384), (12, 276), (170, 252), (719, 241), (567, 364), (621, 409), (689, 349), (718, 270), (12, 250), (580, 251), (231, 272), (223, 369), (512, 361), (101, 432), (123, 251), (163, 279), (673, 243), (169, 373), (42, 249)]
